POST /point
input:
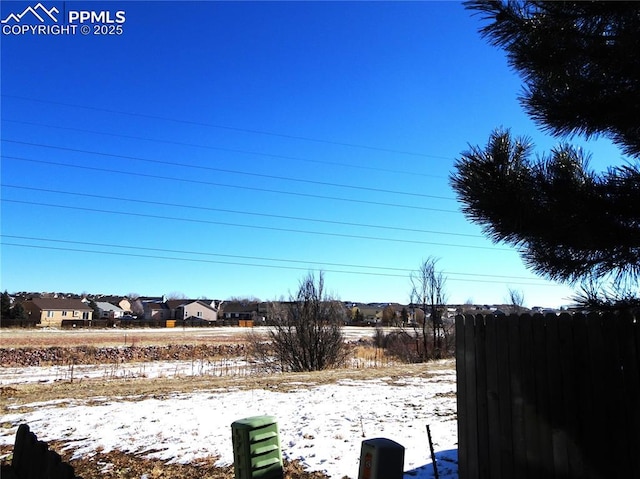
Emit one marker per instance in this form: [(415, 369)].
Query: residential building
[(237, 310), (109, 311), (156, 311), (52, 311), (196, 310)]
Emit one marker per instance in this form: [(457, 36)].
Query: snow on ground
[(321, 425), (132, 370)]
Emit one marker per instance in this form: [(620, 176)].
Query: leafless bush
[(306, 332), (407, 345)]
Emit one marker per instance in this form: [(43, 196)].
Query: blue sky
[(220, 149)]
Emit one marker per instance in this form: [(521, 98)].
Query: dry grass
[(117, 337), (160, 387), (120, 465), (371, 363), (46, 338)]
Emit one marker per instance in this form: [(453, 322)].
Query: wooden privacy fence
[(548, 396), (32, 459)]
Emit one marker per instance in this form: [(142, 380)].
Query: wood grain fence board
[(32, 458), (531, 419), (481, 397), (636, 329), (471, 362), (570, 396), (554, 373), (542, 395), (504, 393), (28, 463), (623, 413), (67, 472), (517, 397), (56, 469), (628, 335), (613, 398), (493, 399), (461, 396), (37, 466), (565, 390), (584, 391), (53, 465), (599, 424), (21, 445)]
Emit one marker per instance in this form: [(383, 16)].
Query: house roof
[(49, 304), (176, 303), (238, 307), (203, 304), (104, 306)]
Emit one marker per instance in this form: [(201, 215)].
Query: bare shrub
[(306, 332), (409, 347)]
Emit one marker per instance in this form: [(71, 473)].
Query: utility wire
[(210, 183), (269, 228), (225, 127), (224, 170), (227, 150), (221, 210), (202, 253), (233, 263), (257, 258)]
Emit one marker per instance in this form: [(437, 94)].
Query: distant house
[(156, 311), (174, 304), (122, 302), (50, 312), (196, 310), (367, 313), (109, 311), (237, 310)]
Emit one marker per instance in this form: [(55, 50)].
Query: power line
[(233, 263), (225, 170), (228, 150), (228, 128), (210, 183), (202, 253), (259, 258), (265, 215), (269, 228)]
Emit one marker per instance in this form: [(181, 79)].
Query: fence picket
[(583, 401), (504, 394), (530, 411), (517, 398), (461, 396), (472, 391), (492, 436), (570, 397), (482, 397), (630, 357), (32, 458), (614, 402), (542, 396)]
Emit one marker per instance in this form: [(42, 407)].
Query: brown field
[(43, 338)]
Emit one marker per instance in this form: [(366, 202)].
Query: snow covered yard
[(322, 425)]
